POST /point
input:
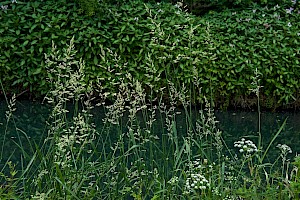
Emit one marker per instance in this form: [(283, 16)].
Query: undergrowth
[(128, 159)]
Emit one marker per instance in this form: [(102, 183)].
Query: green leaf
[(123, 28), (33, 27), (95, 60), (25, 43), (37, 71), (34, 41), (7, 54)]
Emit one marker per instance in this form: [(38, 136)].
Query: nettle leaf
[(95, 60), (7, 53), (25, 43), (37, 71), (34, 42)]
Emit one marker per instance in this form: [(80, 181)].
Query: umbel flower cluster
[(285, 149), (245, 146), (196, 181)]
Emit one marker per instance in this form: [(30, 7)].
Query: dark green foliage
[(155, 43), (89, 6), (295, 183), (258, 38), (26, 33), (200, 7)]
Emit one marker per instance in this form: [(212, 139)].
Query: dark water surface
[(30, 118)]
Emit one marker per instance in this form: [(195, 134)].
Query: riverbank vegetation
[(126, 160), (140, 61), (157, 42)]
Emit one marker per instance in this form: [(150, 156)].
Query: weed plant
[(157, 43), (127, 160)]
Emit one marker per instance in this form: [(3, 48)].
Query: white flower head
[(289, 11), (285, 149), (245, 146), (4, 7), (277, 6), (196, 181)]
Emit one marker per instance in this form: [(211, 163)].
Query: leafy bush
[(134, 33), (200, 7), (156, 43), (26, 33), (89, 6), (263, 38), (142, 151)]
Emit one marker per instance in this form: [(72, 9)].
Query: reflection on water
[(31, 117)]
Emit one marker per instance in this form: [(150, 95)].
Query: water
[(30, 118)]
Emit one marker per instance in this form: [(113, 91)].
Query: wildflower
[(179, 4), (263, 15), (247, 19), (173, 181), (234, 13), (160, 11), (289, 24), (276, 15), (136, 19), (267, 25), (298, 34), (195, 182), (293, 1), (4, 7), (245, 146), (285, 149), (289, 11), (13, 1), (277, 6)]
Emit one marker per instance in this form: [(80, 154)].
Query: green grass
[(126, 160)]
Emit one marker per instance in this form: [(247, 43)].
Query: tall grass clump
[(140, 151)]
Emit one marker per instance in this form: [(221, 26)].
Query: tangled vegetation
[(127, 160), (157, 43), (140, 60)]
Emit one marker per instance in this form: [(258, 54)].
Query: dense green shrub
[(263, 38), (200, 7), (89, 6), (26, 33), (156, 43), (135, 34)]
